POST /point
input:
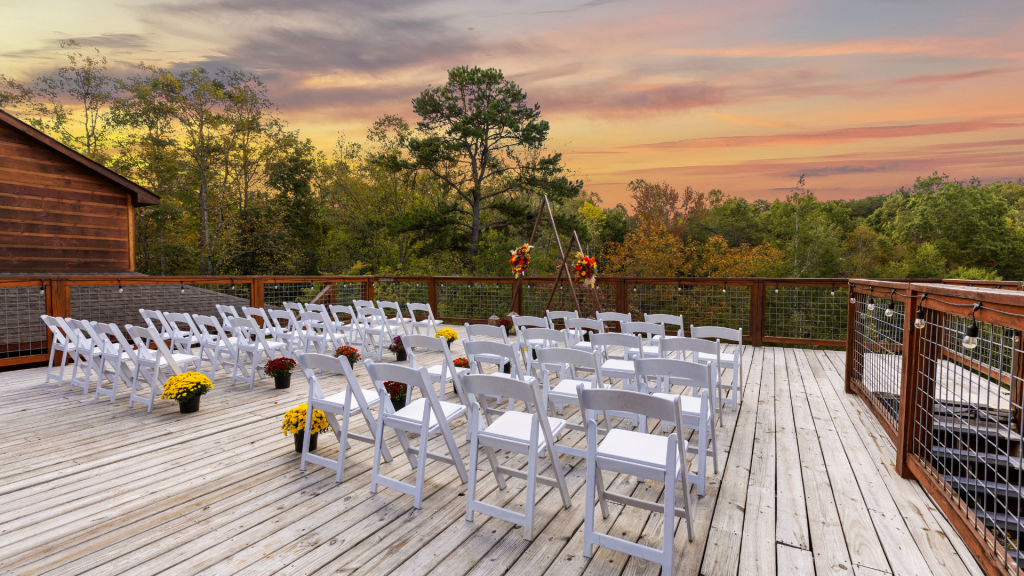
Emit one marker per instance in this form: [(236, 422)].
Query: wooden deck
[(806, 486)]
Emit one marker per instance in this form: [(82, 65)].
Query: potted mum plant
[(448, 334), (295, 423), (398, 348), (186, 389), (348, 352), (461, 362), (396, 390), (281, 369)]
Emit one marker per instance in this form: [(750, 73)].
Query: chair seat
[(585, 346), (371, 395), (637, 447), (567, 388), (435, 372), (516, 426), (726, 358), (615, 366), (414, 412), (690, 404), (528, 379)]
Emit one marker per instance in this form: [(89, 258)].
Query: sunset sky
[(861, 96)]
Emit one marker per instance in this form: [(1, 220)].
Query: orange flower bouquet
[(520, 260), (586, 269)]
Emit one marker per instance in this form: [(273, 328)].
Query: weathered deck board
[(805, 485)]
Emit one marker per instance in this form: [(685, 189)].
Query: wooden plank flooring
[(806, 485)]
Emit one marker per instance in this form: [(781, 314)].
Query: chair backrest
[(493, 385), (295, 307), (667, 320), (680, 371), (551, 337), (154, 317), (727, 334), (311, 363), (103, 344), (176, 319), (683, 344), (585, 323), (412, 341), (415, 377), (474, 330), (420, 307), (316, 308), (648, 329), (140, 335), (529, 322), (75, 336), (357, 304), (250, 334), (488, 352), (258, 314), (60, 337), (283, 321), (573, 359), (312, 320), (560, 315), (614, 317), (112, 334), (205, 324), (385, 305), (226, 313), (605, 341), (605, 399), (337, 310)]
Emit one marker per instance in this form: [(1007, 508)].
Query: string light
[(853, 297), (919, 320), (120, 288), (871, 301), (182, 287), (833, 289), (970, 340), (890, 308), (42, 287)]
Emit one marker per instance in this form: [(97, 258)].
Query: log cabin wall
[(59, 211)]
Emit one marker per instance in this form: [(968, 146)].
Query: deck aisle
[(806, 485)]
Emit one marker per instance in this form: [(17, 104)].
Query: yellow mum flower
[(448, 334), (185, 386), (295, 421)]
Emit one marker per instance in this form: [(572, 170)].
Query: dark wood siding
[(58, 216)]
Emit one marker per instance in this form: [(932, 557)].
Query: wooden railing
[(953, 410)]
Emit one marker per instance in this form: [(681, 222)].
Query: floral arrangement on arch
[(448, 334), (586, 269), (461, 362), (520, 260), (279, 367), (183, 387), (295, 421), (348, 352), (396, 390)]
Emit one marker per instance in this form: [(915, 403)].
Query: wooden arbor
[(563, 267)]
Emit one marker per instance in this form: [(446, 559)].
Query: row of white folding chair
[(154, 365)]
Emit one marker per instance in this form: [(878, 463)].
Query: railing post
[(432, 293), (909, 384), (621, 296), (758, 303), (256, 292), (851, 335), (369, 288), (60, 298)]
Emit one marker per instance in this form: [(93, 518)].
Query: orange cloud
[(744, 121)]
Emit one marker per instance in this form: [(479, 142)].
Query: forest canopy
[(456, 190)]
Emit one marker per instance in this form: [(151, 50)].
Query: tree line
[(243, 193)]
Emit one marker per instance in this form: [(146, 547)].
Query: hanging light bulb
[(971, 336), (871, 304), (890, 309), (833, 290), (42, 287), (919, 319), (120, 288), (776, 289), (723, 290), (853, 299), (182, 287)]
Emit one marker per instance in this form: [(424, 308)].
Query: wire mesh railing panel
[(878, 353), (536, 294), (473, 300), (967, 424), (807, 312), (120, 304), (276, 293), (22, 332), (700, 304), (403, 292)]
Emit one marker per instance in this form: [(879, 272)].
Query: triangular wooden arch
[(517, 284)]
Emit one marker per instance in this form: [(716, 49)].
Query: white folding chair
[(523, 433), (155, 319), (487, 331), (639, 454), (286, 329), (261, 318), (501, 354), (374, 324), (315, 333), (254, 347), (426, 416), (88, 355), (707, 352), (538, 338), (614, 317), (429, 325), (732, 359), (117, 354), (560, 316), (153, 365), (215, 345), (621, 368), (698, 411), (357, 304), (667, 321), (442, 373), (578, 327), (653, 332), (184, 334), (351, 328), (354, 400), (78, 340), (295, 308), (521, 323), (397, 321), (570, 364), (62, 342)]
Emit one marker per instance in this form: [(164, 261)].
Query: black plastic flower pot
[(401, 356), (282, 381), (398, 404), (298, 442), (191, 405)]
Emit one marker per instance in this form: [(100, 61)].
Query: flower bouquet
[(398, 348), (295, 423), (520, 260), (586, 269), (396, 390), (281, 369), (348, 352), (187, 389)]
